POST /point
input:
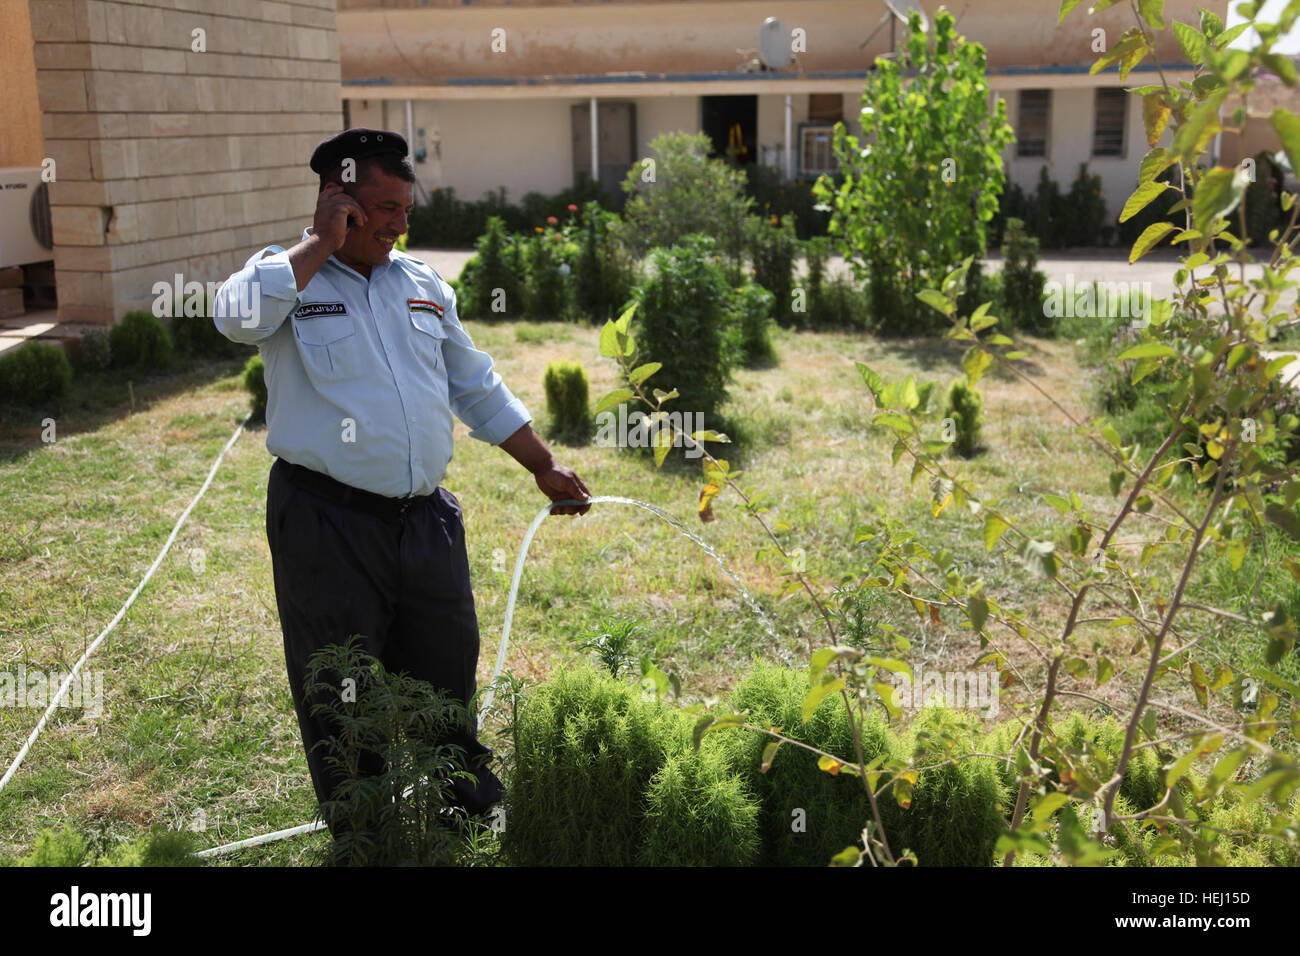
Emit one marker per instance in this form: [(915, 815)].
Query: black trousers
[(402, 582)]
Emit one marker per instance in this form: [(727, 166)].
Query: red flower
[(551, 220), (572, 208)]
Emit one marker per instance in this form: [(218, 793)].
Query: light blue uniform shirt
[(362, 375)]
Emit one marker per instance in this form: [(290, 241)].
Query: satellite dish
[(774, 44), (902, 9)]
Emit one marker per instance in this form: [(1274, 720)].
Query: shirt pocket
[(428, 338), (328, 344)]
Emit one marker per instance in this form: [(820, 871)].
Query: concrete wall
[(20, 108), (171, 160), (427, 42)]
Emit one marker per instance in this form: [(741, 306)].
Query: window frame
[(1047, 124), (1098, 94)]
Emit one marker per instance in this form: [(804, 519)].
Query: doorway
[(731, 123)]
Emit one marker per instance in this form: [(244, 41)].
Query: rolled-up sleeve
[(478, 396), (254, 302)]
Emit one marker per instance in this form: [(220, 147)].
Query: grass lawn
[(197, 714)]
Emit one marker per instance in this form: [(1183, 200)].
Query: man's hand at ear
[(556, 481)]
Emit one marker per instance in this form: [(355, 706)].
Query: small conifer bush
[(565, 384)]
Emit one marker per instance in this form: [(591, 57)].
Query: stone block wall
[(176, 151)]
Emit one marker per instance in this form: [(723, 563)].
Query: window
[(825, 107), (816, 151), (1034, 122), (1108, 123)]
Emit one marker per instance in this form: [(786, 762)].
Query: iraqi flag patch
[(424, 305)]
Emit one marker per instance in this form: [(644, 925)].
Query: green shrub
[(1096, 740), (565, 384), (160, 847), (689, 193), (605, 270), (1083, 212), (93, 352), (402, 814), (497, 265), (807, 815), (1263, 201), (546, 292), (700, 813), (255, 385), (448, 222), (194, 334), (959, 809), (682, 321), (1022, 283), (752, 309), (140, 342), (34, 373), (772, 248), (774, 195), (586, 751), (964, 406)]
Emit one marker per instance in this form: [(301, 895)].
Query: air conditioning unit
[(25, 233)]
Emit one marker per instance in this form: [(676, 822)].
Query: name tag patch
[(424, 305), (312, 310)]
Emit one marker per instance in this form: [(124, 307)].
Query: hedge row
[(602, 777)]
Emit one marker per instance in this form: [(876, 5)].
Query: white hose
[(505, 634), (76, 668)]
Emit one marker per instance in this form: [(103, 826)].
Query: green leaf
[(624, 321), (976, 363), (827, 685), (1155, 115), (1105, 670), (1180, 767), (993, 529), (1217, 194), (663, 443), (907, 394), (977, 609), (769, 754), (1284, 518), (851, 855), (1154, 163), (1287, 125), (643, 372), (613, 399), (1066, 7), (709, 435), (1236, 550), (1150, 236), (609, 340), (1146, 350), (937, 300), (1194, 45), (1057, 502), (1280, 65), (1153, 11), (873, 380), (661, 396), (1141, 198)]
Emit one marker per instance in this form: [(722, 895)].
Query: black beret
[(357, 144)]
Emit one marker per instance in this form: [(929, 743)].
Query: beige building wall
[(1070, 143), (20, 110), (177, 151)]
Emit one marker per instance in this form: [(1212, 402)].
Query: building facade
[(500, 92)]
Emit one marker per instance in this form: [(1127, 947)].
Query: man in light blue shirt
[(366, 360)]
